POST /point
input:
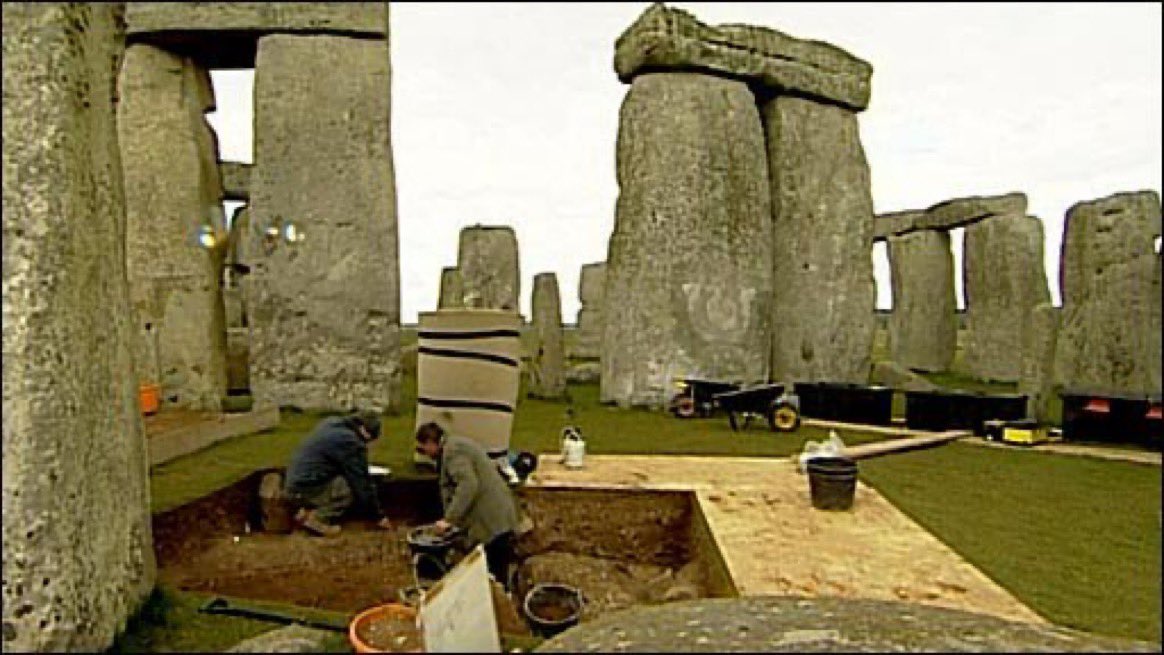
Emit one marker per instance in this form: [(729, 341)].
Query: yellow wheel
[(784, 418)]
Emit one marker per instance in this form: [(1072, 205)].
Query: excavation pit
[(620, 548)]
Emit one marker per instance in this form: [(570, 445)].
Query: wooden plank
[(865, 451)]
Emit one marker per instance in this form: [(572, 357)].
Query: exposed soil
[(618, 548)]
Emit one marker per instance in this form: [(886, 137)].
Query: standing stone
[(923, 328), (172, 190), (591, 293), (490, 273), (78, 557), (823, 292), (1038, 362), (1004, 279), (692, 242), (547, 377), (1110, 280), (452, 289), (325, 311)]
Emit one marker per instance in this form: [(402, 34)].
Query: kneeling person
[(329, 474), (475, 498)]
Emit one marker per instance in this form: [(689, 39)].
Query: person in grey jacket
[(475, 497), (329, 474)]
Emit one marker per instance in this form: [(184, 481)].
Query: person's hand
[(384, 524), (442, 526)]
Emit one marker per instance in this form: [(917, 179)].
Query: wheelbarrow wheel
[(783, 417), (683, 406)]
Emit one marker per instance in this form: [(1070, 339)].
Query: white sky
[(508, 114)]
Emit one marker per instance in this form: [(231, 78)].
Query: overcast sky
[(507, 114)]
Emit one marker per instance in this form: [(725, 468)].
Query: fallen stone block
[(894, 375)]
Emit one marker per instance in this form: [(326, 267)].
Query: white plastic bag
[(834, 447)]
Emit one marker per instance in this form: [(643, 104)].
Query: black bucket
[(552, 608), (832, 482)]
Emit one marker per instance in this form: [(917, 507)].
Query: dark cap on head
[(370, 421)]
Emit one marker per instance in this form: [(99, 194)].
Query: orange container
[(148, 396), (388, 611)]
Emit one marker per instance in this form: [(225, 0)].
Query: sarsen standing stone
[(325, 312), (692, 243)]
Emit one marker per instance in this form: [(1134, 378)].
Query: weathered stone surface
[(961, 212), (233, 305), (886, 225), (489, 266), (584, 372), (547, 377), (950, 214), (172, 189), (78, 557), (792, 624), (823, 292), (238, 354), (691, 251), (591, 293), (896, 376), (324, 312), (923, 328), (289, 639), (665, 38), (452, 294), (1110, 280), (236, 180), (1036, 381), (1004, 279), (225, 34)]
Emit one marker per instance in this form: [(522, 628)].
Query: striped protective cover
[(468, 372)]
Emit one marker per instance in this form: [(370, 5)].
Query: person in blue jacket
[(328, 474)]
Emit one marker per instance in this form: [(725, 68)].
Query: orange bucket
[(359, 630), (148, 395)]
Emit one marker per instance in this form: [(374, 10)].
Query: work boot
[(312, 523)]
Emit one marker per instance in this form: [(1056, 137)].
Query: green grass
[(1076, 539)]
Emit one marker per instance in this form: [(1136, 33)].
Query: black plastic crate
[(1111, 417), (939, 411)]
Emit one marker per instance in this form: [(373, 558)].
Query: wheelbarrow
[(768, 401), (696, 397)]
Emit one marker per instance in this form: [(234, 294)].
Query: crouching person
[(475, 498), (328, 474)]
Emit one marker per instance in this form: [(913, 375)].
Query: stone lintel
[(949, 214), (226, 34), (665, 38), (236, 180)]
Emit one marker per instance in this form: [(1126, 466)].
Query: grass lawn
[(1076, 539)]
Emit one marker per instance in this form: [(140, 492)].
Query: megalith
[(1003, 280), (1110, 280), (547, 376), (923, 327), (176, 233), (1036, 380), (78, 553), (452, 289), (324, 294), (823, 292), (489, 266), (591, 294), (691, 250)]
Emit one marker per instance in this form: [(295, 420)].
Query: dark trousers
[(498, 556), (329, 500)]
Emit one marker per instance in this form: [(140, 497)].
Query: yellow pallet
[(1025, 436)]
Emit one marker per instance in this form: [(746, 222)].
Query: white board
[(457, 614)]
